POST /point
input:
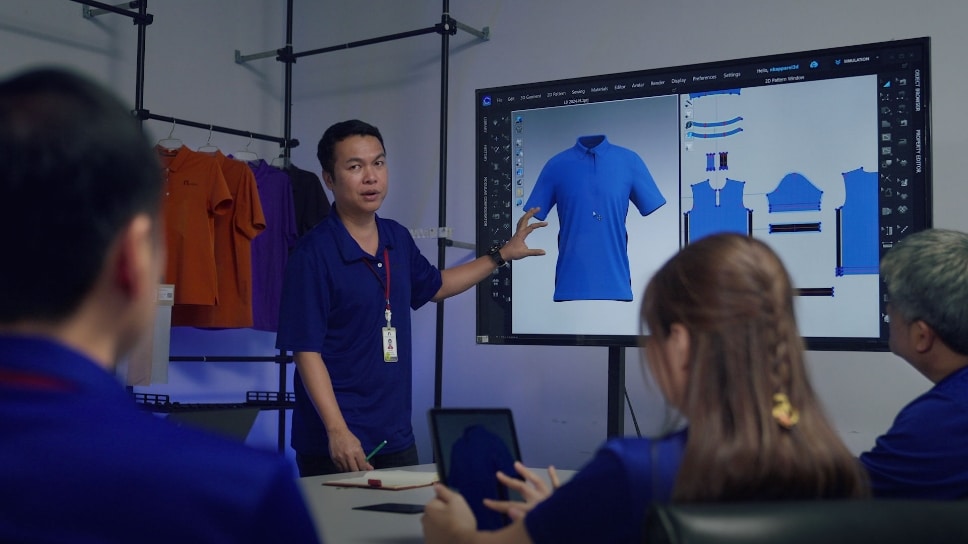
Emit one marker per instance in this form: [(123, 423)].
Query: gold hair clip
[(783, 412)]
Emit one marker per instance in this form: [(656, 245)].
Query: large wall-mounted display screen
[(822, 154)]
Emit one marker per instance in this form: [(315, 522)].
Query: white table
[(337, 523)]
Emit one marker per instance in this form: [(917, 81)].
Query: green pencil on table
[(375, 450)]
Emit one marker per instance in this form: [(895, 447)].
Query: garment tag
[(389, 344)]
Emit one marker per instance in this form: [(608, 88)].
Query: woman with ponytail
[(720, 339), (724, 348)]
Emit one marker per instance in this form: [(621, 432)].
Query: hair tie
[(783, 412)]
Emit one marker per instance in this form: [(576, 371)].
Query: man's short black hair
[(339, 132), (75, 168)]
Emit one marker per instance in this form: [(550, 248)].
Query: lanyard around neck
[(386, 284)]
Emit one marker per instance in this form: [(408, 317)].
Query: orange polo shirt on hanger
[(234, 232), (195, 192)]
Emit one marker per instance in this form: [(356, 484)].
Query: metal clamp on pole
[(441, 233), (462, 245), (447, 25), (91, 9), (483, 34), (286, 55), (282, 55), (240, 58), (450, 26)]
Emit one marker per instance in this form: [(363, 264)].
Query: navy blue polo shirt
[(592, 184), (83, 463), (333, 303), (922, 455)]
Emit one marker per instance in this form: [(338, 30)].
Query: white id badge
[(389, 344)]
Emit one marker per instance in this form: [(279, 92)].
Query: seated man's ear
[(135, 255), (923, 336)]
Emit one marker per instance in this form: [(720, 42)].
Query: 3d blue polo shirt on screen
[(592, 184)]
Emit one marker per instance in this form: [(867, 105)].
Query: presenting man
[(349, 288), (924, 454)]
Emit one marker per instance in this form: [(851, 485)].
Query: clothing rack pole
[(140, 18), (280, 54), (139, 81), (281, 428), (286, 155), (281, 358), (287, 87), (370, 41), (144, 114), (447, 28)]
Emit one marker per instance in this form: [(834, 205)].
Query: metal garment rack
[(446, 28), (279, 400), (279, 403), (142, 19)]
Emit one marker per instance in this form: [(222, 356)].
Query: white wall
[(558, 394)]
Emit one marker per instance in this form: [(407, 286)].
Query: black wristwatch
[(495, 254)]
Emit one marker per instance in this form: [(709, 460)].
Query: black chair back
[(809, 522)]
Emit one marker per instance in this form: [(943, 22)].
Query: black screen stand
[(616, 390)]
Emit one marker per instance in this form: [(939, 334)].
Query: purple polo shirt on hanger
[(270, 250)]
